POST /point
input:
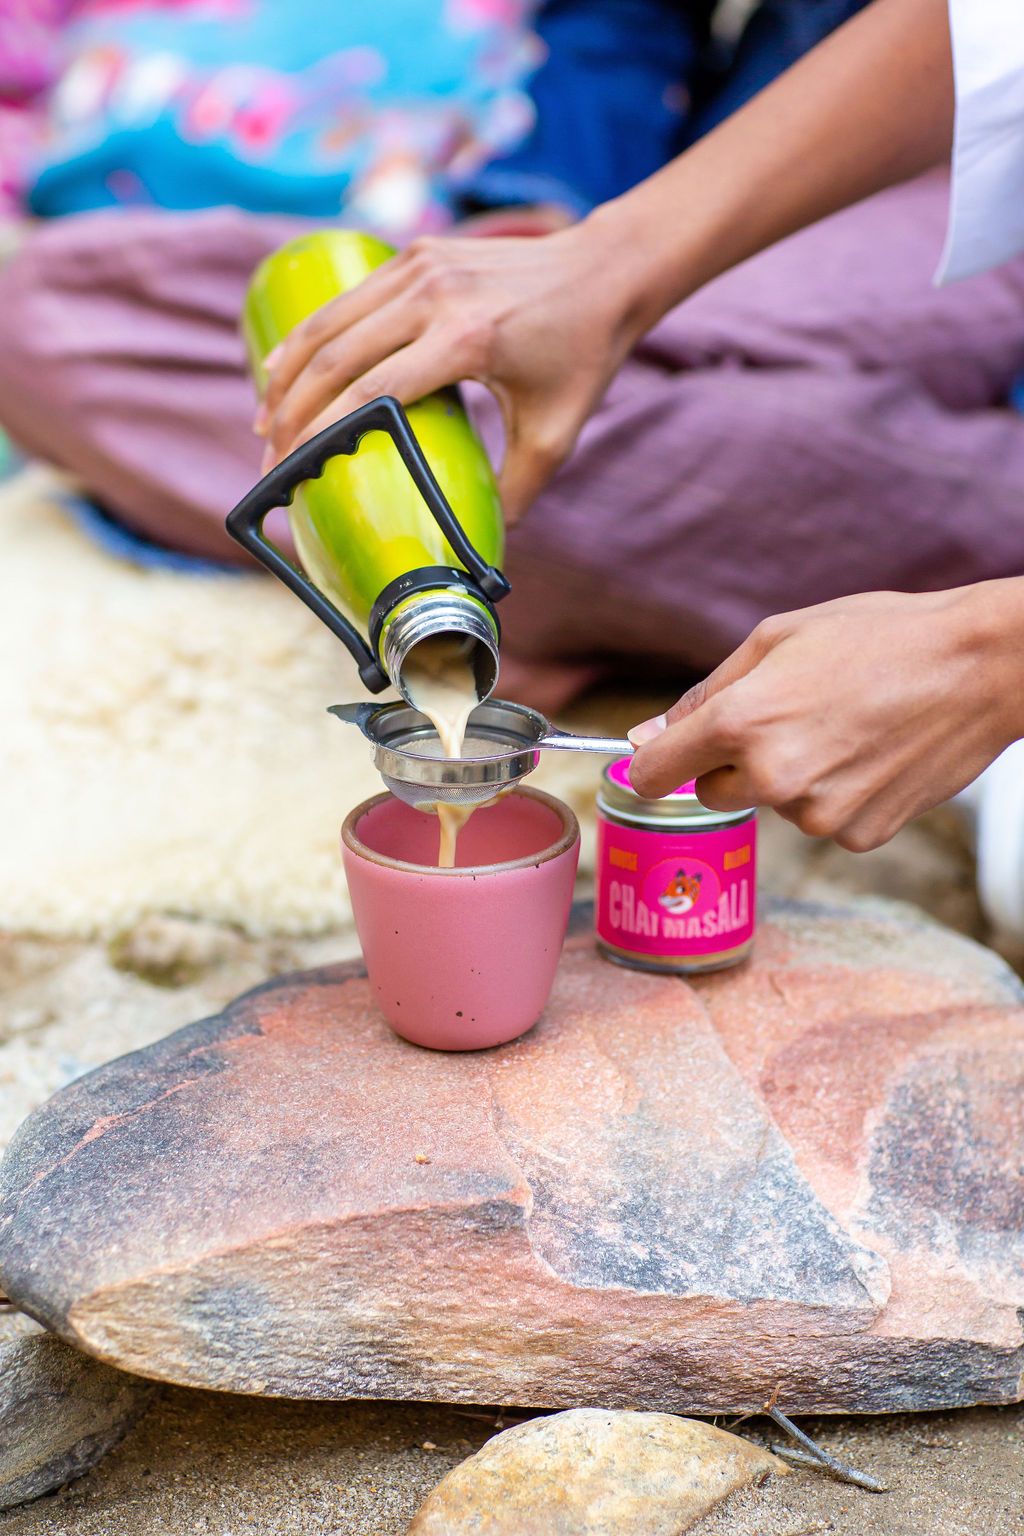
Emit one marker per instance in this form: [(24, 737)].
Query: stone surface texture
[(801, 1177), (589, 1472), (60, 1412)]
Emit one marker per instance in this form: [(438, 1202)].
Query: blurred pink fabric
[(30, 60), (818, 422)]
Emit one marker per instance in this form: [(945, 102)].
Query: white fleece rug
[(164, 746)]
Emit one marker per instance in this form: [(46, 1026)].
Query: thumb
[(686, 749)]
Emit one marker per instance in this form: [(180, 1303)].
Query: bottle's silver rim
[(444, 612)]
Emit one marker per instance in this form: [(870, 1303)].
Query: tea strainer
[(502, 745)]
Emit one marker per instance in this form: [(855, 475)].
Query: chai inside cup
[(464, 958)]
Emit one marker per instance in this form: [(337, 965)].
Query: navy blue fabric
[(611, 101), (629, 83), (778, 33)]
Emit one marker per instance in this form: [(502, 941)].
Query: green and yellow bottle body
[(364, 525)]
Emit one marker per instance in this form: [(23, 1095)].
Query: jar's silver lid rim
[(618, 796), (701, 820)]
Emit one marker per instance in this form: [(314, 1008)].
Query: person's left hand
[(851, 717), (542, 322)]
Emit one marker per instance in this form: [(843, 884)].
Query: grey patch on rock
[(750, 1232), (17, 1325), (877, 930), (218, 1314), (60, 1413), (943, 1170)]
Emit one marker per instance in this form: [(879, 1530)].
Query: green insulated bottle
[(395, 515)]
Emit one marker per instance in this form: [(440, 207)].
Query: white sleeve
[(986, 215)]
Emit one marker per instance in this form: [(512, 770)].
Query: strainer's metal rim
[(499, 768), (567, 839), (469, 772)]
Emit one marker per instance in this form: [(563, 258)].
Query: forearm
[(871, 106)]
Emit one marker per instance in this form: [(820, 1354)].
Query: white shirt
[(986, 215)]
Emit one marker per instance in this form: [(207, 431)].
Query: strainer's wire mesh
[(427, 795), (462, 790)]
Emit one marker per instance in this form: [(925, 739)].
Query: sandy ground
[(237, 1467), (198, 1463)]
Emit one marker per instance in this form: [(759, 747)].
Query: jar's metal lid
[(679, 807)]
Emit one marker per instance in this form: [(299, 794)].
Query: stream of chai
[(440, 683)]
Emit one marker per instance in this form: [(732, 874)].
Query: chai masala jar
[(675, 881)]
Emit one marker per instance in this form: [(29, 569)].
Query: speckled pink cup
[(464, 958)]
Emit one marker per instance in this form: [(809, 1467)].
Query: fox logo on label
[(681, 894)]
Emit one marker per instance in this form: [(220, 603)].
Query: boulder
[(60, 1412), (593, 1473), (799, 1178)]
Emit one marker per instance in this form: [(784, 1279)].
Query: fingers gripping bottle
[(395, 515)]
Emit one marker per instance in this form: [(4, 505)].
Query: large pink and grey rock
[(802, 1178)]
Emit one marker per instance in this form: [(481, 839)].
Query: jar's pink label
[(676, 893)]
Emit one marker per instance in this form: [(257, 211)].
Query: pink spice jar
[(676, 883)]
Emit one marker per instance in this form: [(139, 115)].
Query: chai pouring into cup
[(439, 682), (408, 587)]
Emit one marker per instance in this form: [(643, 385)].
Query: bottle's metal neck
[(444, 612)]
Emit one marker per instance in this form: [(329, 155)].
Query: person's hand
[(542, 322), (851, 717)]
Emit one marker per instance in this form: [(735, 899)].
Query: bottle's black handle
[(245, 522)]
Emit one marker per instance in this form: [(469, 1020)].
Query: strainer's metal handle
[(355, 714), (566, 741), (559, 741)]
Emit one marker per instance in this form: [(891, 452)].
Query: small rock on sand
[(593, 1473), (60, 1412)]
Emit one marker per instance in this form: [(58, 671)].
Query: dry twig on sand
[(815, 1457)]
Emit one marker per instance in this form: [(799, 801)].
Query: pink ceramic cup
[(462, 958)]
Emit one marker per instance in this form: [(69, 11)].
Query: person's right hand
[(542, 322), (850, 717)]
